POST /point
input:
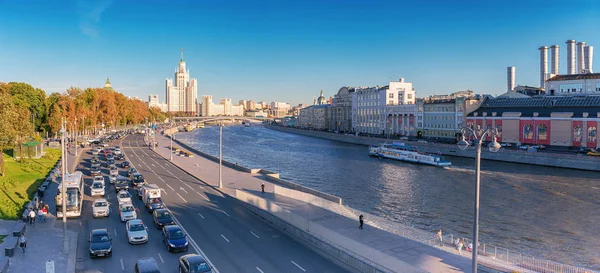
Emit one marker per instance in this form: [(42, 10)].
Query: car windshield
[(113, 168), (123, 195), (100, 204), (198, 268), (154, 200), (163, 215), (97, 185), (138, 177), (176, 234), (127, 208), (100, 238), (136, 227)]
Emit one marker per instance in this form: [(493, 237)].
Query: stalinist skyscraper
[(182, 94)]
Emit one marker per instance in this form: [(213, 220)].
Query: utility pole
[(75, 137), (221, 155), (172, 136), (64, 190)]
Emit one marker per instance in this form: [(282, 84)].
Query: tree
[(34, 99), (8, 117)]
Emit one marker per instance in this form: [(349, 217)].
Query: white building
[(224, 108), (182, 94), (154, 102), (279, 109), (573, 85), (402, 93)]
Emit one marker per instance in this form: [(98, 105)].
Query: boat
[(189, 128), (200, 125), (403, 152), (247, 124)]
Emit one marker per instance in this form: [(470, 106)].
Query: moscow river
[(545, 212)]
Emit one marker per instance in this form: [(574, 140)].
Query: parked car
[(100, 243), (99, 178), (123, 197), (505, 144), (114, 170), (193, 263), (131, 171), (120, 157), (117, 151), (137, 232), (121, 183), (112, 179), (110, 162), (100, 208), (127, 212), (146, 265), (162, 218), (95, 170), (97, 188), (593, 153), (174, 238), (125, 164), (540, 147), (137, 179), (524, 147)]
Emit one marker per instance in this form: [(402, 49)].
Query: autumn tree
[(8, 117)]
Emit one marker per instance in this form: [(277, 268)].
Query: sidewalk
[(420, 255)]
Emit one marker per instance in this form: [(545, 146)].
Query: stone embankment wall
[(514, 156)]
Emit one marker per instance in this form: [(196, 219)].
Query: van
[(146, 265)]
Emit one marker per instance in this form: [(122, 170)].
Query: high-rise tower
[(580, 58), (181, 94), (571, 57), (510, 78), (543, 64)]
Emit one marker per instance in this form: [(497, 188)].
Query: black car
[(122, 183), (95, 170), (174, 238), (193, 263), (146, 265), (125, 164), (120, 157), (162, 218), (110, 162), (100, 245), (137, 179)]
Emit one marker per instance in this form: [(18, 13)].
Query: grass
[(21, 181)]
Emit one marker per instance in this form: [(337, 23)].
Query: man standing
[(32, 217), (23, 242), (440, 237), (263, 187), (361, 220)]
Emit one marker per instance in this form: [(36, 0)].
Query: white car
[(127, 212), (114, 170), (137, 232), (117, 151), (100, 208), (112, 178), (99, 178), (97, 188), (123, 197)]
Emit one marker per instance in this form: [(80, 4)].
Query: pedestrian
[(23, 242), (263, 187), (361, 221), (459, 246), (40, 215), (32, 217), (440, 237), (45, 211)]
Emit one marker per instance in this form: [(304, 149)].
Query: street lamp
[(172, 136), (220, 155), (493, 147), (63, 190)]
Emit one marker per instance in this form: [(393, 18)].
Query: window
[(409, 96), (542, 132), (499, 128), (592, 134), (391, 96), (577, 134), (527, 131)]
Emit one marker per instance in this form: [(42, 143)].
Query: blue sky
[(286, 50)]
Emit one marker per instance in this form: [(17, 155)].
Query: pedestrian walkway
[(422, 256)]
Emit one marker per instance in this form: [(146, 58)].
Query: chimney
[(580, 58), (554, 68), (510, 78), (571, 57), (543, 64), (589, 58)]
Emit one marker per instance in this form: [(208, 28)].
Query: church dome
[(321, 100)]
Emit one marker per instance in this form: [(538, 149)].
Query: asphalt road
[(232, 238)]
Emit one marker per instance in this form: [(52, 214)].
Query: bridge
[(214, 118)]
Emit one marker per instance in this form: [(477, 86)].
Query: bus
[(74, 188)]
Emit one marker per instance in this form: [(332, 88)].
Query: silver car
[(114, 171), (100, 208), (97, 188), (127, 212), (137, 232)]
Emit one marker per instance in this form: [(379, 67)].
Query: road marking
[(259, 270), (122, 265), (206, 198), (224, 238), (152, 164), (298, 266), (170, 187), (254, 234), (115, 232), (181, 188), (225, 213), (161, 259), (188, 186), (200, 215), (181, 197), (163, 190)]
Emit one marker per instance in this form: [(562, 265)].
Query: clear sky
[(280, 50)]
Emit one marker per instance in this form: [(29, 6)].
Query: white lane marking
[(298, 266), (166, 164), (170, 187), (161, 259), (201, 215), (115, 232), (206, 198), (181, 197), (181, 188), (225, 213), (224, 238), (163, 190), (259, 270), (152, 165), (122, 265), (188, 186), (254, 234)]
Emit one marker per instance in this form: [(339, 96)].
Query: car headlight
[(92, 251), (171, 245), (130, 237), (186, 243)]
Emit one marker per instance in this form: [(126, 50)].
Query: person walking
[(440, 237), (361, 221), (23, 242), (262, 186), (32, 217), (459, 246)]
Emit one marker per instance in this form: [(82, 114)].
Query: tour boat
[(189, 128), (199, 125), (403, 152)]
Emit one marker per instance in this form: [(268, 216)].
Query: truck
[(150, 195)]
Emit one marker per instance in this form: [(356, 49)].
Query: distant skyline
[(286, 50)]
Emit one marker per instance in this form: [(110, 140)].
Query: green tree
[(8, 117), (34, 99)]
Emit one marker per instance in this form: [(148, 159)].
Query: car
[(110, 157), (146, 265), (94, 160), (137, 179), (505, 145), (593, 152), (104, 144), (110, 162), (99, 178), (137, 232), (95, 170), (524, 147), (114, 170), (120, 156), (422, 141), (123, 197), (100, 208), (540, 147), (193, 263), (100, 243), (162, 218), (174, 238), (112, 179), (117, 151), (131, 171), (121, 183), (125, 164), (127, 212), (97, 188), (96, 151)]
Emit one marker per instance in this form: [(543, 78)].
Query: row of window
[(542, 133), (578, 135)]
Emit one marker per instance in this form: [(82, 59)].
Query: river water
[(545, 212)]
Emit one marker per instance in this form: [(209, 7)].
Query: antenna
[(182, 54)]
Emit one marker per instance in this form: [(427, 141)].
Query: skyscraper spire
[(181, 55)]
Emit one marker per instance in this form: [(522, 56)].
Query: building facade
[(340, 114), (402, 92), (369, 109), (182, 93), (573, 85), (401, 119), (154, 102), (279, 109), (224, 108), (314, 117), (552, 120)]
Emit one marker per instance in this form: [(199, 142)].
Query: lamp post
[(220, 155), (75, 136), (64, 188), (172, 136), (494, 146)]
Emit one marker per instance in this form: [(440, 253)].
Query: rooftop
[(588, 76), (547, 101)]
